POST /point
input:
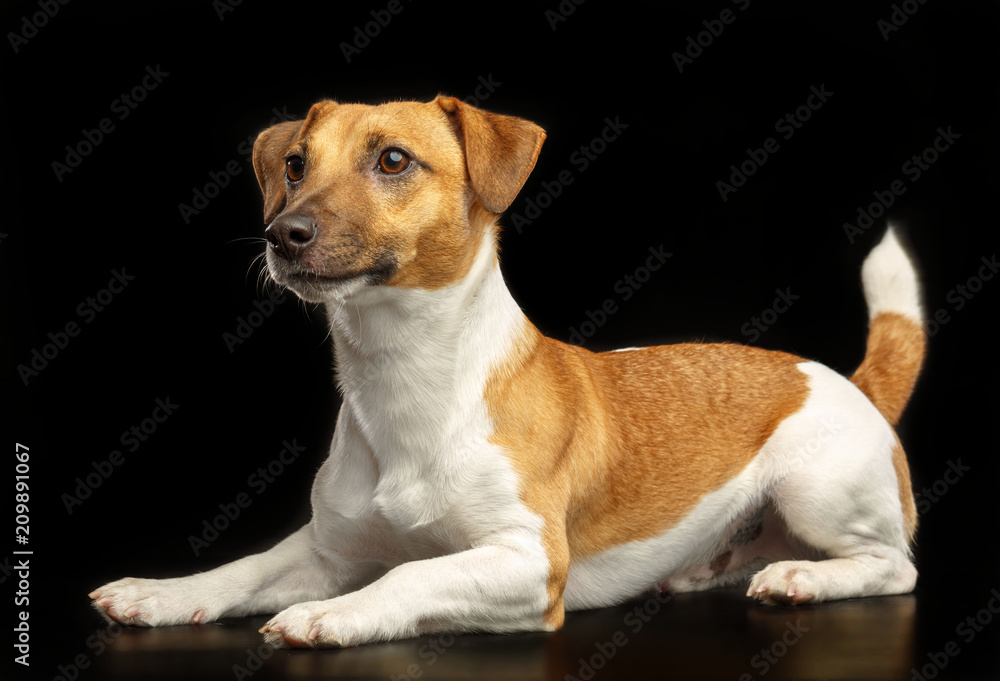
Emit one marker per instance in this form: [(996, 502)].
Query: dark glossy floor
[(717, 635)]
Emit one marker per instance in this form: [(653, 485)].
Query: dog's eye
[(295, 168), (393, 161)]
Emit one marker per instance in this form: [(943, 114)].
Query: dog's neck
[(412, 363)]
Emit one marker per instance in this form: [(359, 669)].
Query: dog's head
[(397, 194)]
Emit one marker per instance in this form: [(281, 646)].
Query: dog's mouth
[(310, 283)]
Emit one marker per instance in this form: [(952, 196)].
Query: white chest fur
[(411, 468)]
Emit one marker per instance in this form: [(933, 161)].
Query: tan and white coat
[(483, 477)]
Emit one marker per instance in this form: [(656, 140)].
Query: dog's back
[(483, 477)]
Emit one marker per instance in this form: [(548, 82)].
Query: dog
[(485, 478)]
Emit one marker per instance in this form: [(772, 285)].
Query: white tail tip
[(890, 280)]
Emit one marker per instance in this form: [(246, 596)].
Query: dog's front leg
[(289, 573), (501, 587)]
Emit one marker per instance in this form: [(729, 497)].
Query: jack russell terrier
[(483, 477)]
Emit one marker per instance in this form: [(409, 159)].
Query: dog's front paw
[(316, 624), (786, 582), (149, 603)]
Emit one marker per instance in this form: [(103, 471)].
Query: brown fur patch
[(906, 500), (620, 446), (500, 151), (269, 164), (895, 353)]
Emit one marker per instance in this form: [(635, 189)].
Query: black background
[(653, 186)]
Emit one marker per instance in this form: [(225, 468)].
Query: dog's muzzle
[(290, 235)]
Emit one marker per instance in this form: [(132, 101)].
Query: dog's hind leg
[(839, 481)]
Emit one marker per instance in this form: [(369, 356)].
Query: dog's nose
[(290, 235)]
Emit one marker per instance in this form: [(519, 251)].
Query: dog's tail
[(896, 338)]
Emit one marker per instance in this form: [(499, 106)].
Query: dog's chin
[(314, 289), (317, 287)]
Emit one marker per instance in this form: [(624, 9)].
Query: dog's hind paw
[(784, 583)]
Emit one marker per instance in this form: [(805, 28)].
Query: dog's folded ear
[(500, 151), (269, 164)]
